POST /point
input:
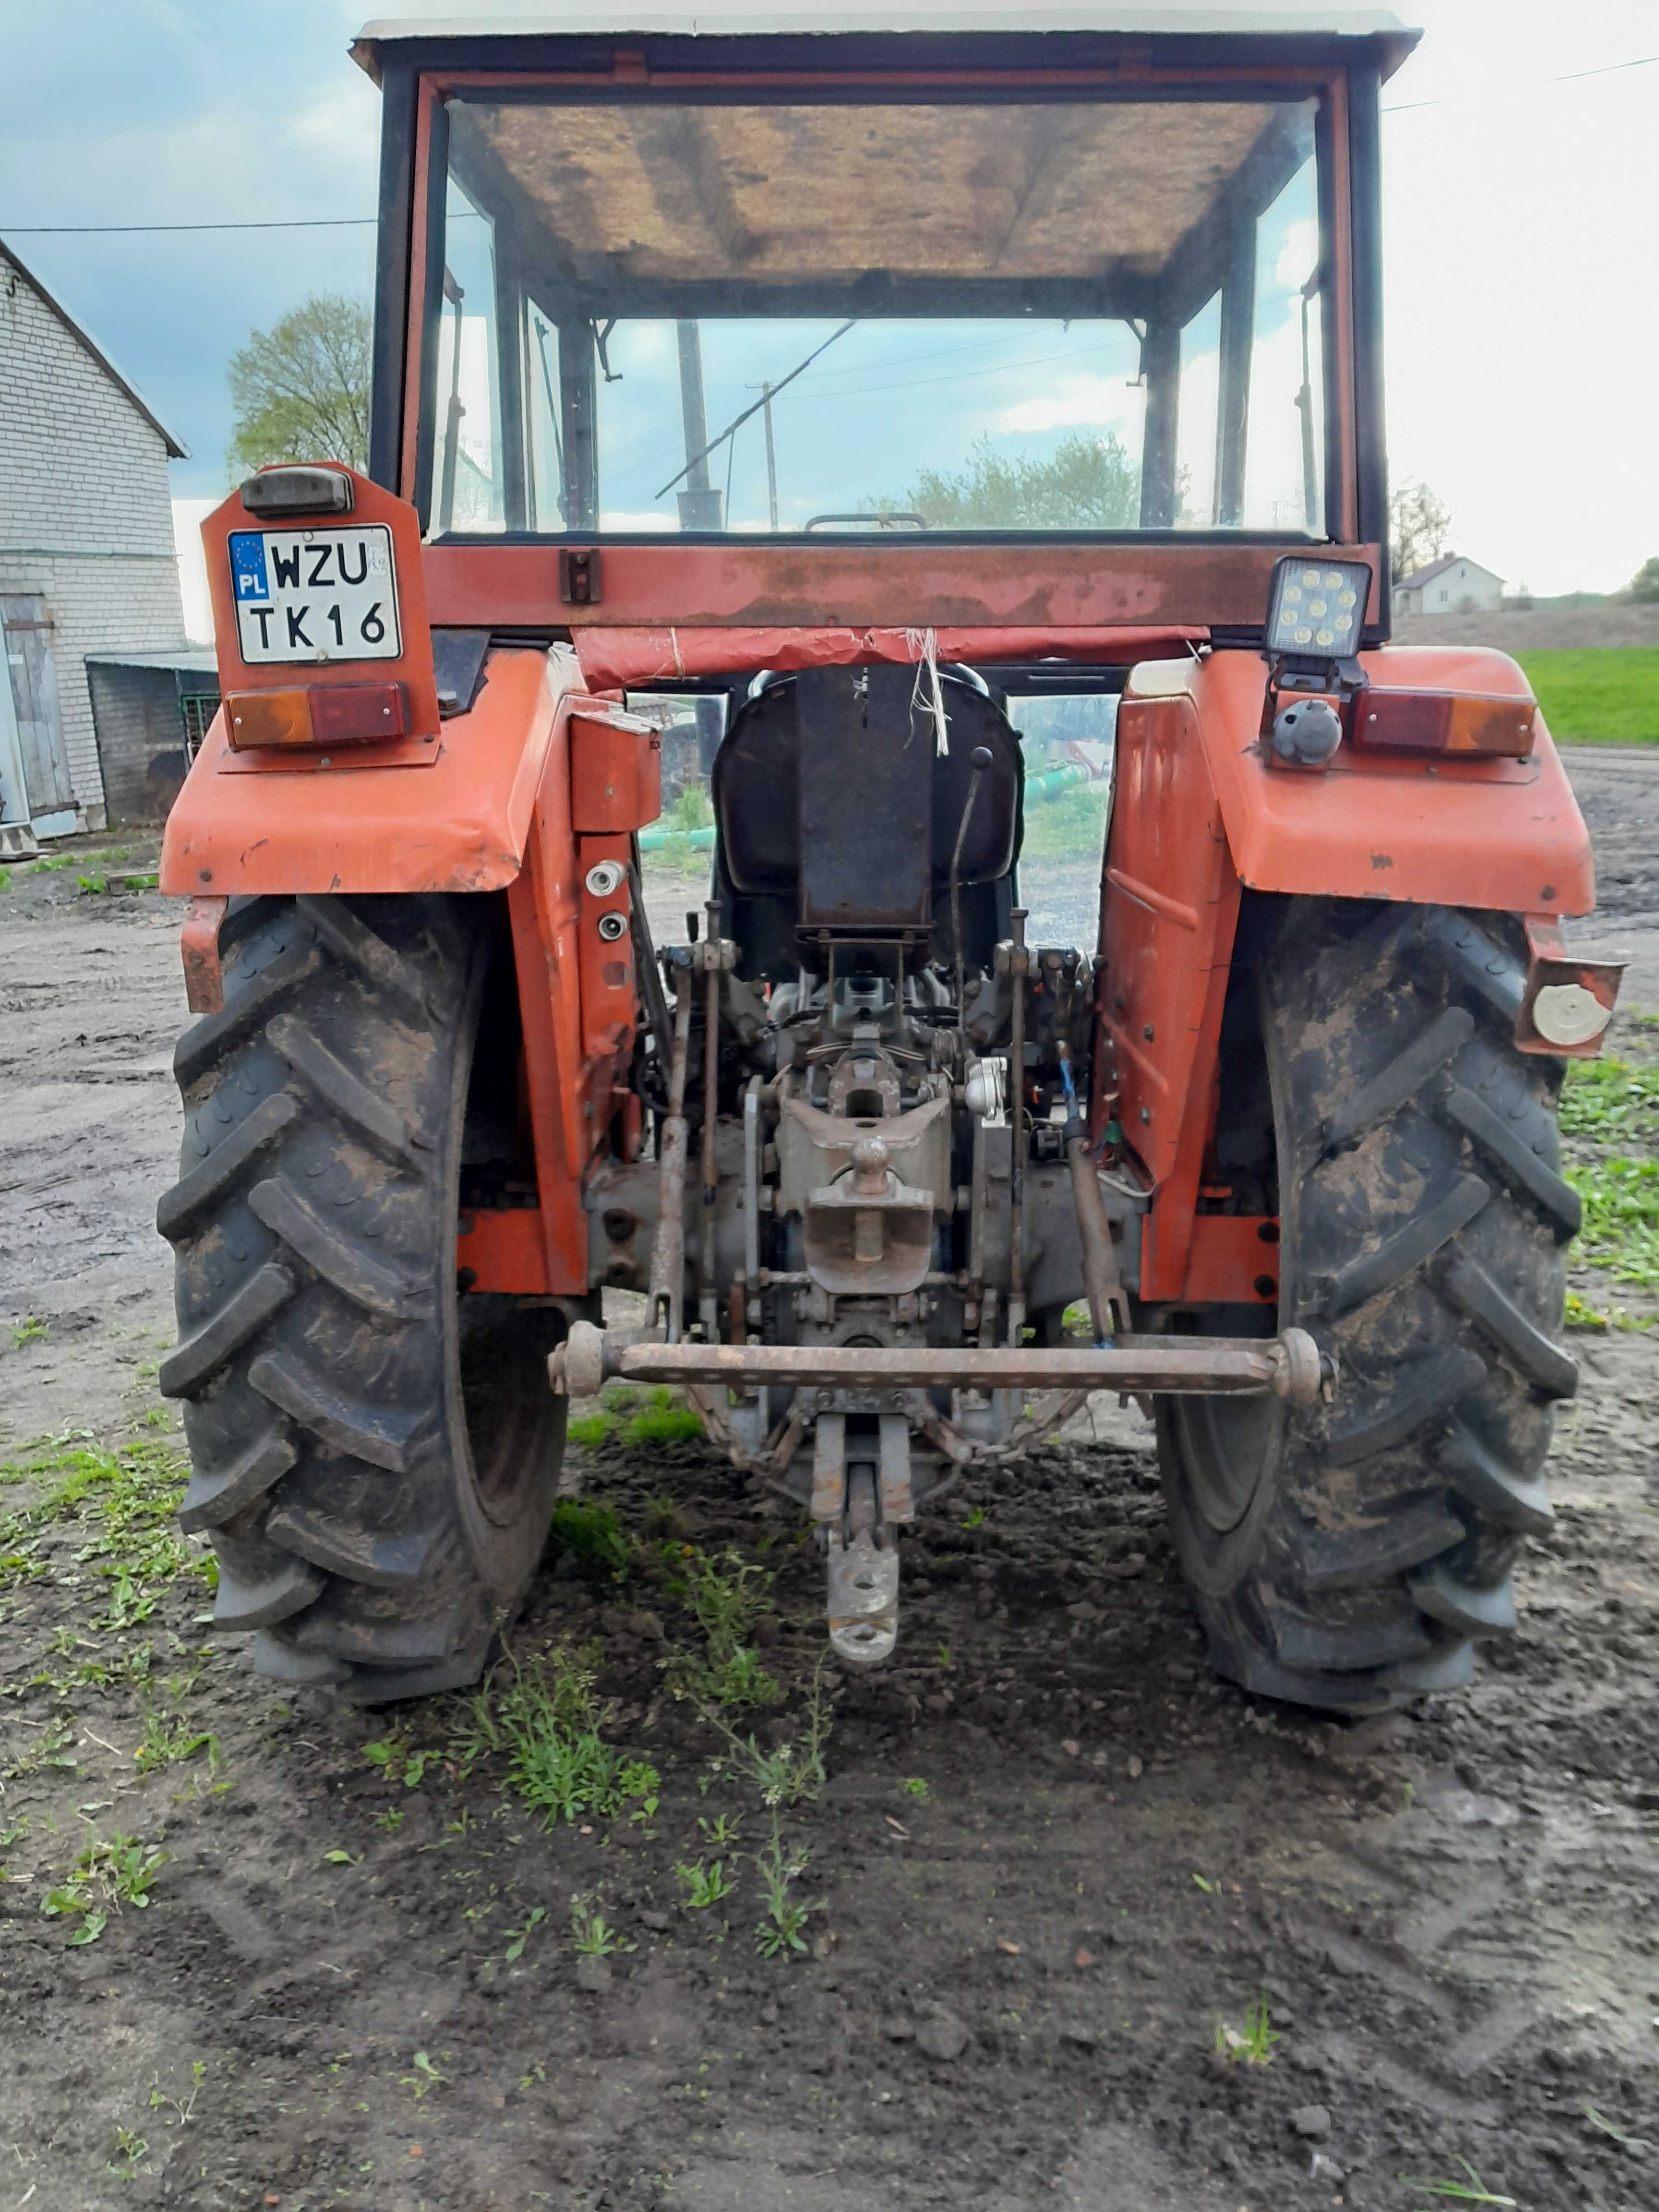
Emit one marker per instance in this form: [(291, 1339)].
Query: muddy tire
[(374, 1456), (1349, 1556)]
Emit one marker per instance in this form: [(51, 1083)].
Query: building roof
[(84, 339), (1378, 24), (192, 659), (1421, 577)]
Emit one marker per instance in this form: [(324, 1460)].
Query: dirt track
[(1532, 630), (1011, 1993)]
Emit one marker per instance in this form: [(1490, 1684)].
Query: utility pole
[(771, 456), (1304, 402), (699, 503)]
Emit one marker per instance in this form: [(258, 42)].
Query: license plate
[(315, 594)]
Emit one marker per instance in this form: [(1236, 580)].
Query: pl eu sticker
[(247, 564)]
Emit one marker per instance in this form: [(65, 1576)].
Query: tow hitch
[(861, 1491), (1288, 1366)]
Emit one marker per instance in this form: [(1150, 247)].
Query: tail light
[(316, 715), (1445, 722)]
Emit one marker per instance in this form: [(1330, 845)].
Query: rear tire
[(1349, 1556), (374, 1456)]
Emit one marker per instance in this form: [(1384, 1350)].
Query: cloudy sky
[(1522, 204)]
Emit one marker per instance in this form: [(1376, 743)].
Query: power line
[(1641, 61), (130, 229), (1567, 76)]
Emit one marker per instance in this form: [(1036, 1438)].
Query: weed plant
[(171, 1738), (702, 1882), (112, 1874), (1253, 2044), (590, 1931), (518, 1937), (790, 1772), (544, 1717), (729, 1598), (782, 1926)]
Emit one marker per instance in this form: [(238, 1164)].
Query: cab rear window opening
[(648, 318)]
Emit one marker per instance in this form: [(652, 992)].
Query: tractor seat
[(756, 783)]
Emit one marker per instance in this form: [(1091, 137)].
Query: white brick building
[(87, 558)]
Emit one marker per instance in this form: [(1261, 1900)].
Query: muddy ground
[(1051, 1860)]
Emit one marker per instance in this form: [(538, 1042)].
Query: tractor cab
[(1075, 322)]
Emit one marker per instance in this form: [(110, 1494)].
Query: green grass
[(1621, 1219), (1610, 1098), (677, 856), (95, 858), (1606, 695), (663, 1423), (693, 810), (658, 1420), (1612, 1105), (590, 1431), (1472, 2192), (125, 1502), (1061, 829), (592, 1532)]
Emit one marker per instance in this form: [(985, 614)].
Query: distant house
[(1454, 585), (87, 557)]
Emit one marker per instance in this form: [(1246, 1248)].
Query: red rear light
[(1445, 722), (316, 715)]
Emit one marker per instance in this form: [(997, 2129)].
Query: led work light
[(1315, 616)]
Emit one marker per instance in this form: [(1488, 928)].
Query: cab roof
[(1374, 34)]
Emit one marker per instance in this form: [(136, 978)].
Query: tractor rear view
[(867, 393)]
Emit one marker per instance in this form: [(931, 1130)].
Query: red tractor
[(870, 392)]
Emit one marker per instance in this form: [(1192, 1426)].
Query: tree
[(1420, 525), (299, 390), (1644, 585), (1091, 484)]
